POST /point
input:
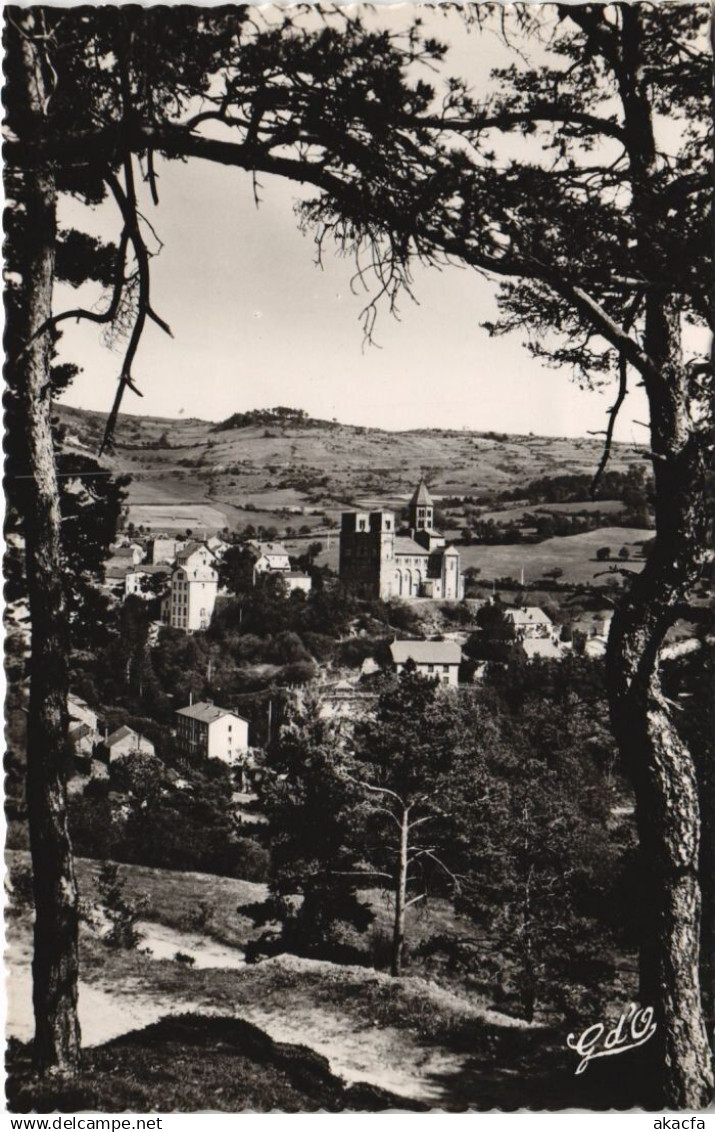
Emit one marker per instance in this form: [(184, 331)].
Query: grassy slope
[(368, 467), (189, 1064), (415, 1038), (575, 555)]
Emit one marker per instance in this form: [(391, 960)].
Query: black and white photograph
[(358, 559)]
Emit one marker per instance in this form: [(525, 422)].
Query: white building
[(130, 555), (273, 559), (217, 546), (190, 603), (163, 549), (83, 726), (124, 741), (438, 660), (216, 733), (135, 579), (195, 554), (529, 622)]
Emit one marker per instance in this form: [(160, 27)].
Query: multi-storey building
[(190, 603), (214, 732), (380, 561)]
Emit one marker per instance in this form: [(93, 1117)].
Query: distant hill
[(280, 416), (280, 467)]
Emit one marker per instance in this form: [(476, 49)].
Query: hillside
[(189, 473)]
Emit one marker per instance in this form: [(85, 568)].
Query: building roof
[(528, 615), (544, 647), (406, 545), (207, 712), (78, 702), (124, 551), (422, 497), (191, 548), (114, 570), (272, 550), (298, 574), (426, 652), (79, 731), (150, 568), (123, 732)]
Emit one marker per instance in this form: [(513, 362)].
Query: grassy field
[(290, 1033), (575, 555)]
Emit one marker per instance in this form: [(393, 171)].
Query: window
[(445, 668), (430, 668)]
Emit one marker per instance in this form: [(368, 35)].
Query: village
[(413, 566)]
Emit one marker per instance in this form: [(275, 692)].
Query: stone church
[(379, 561)]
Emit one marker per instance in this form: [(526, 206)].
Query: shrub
[(121, 912), (186, 960)]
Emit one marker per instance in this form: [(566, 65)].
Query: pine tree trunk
[(398, 936), (662, 769), (55, 960)]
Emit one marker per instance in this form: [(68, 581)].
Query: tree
[(403, 760), (309, 804), (90, 95), (624, 553), (602, 249), (603, 553), (539, 858), (495, 638), (55, 959)]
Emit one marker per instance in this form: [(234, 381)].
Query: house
[(124, 741), (163, 549), (543, 647), (217, 546), (594, 624), (83, 730), (530, 622), (382, 562), (592, 627), (195, 554), (438, 660), (135, 581), (81, 712), (346, 700), (190, 603), (217, 733), (294, 580), (273, 560), (126, 555)]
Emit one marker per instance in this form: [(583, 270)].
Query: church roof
[(404, 545), (422, 497)]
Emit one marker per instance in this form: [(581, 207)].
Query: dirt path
[(298, 1001), (386, 1057), (103, 1014), (162, 942)]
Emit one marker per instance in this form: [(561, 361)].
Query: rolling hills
[(186, 473)]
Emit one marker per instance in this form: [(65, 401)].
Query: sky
[(256, 323)]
